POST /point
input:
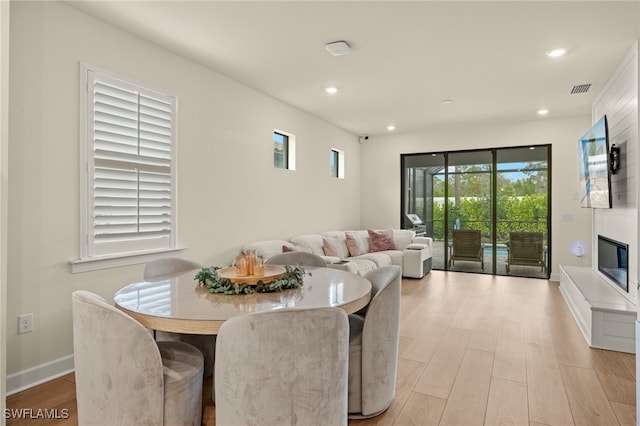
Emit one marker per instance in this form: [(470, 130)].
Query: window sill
[(115, 261)]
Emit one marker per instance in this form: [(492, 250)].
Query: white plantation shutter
[(131, 176)]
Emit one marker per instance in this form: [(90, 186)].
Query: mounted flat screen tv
[(613, 261), (595, 175)]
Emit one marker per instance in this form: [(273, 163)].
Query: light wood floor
[(474, 349)]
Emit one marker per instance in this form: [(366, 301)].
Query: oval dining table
[(179, 304)]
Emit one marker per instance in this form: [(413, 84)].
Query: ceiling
[(407, 57)]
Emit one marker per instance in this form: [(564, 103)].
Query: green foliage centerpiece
[(209, 278)]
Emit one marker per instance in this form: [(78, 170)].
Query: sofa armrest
[(423, 240)]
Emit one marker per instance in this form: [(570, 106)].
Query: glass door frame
[(493, 199)]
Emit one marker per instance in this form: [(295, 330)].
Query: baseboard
[(30, 377), (554, 277)]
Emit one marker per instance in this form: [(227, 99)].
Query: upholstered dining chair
[(283, 367), (162, 268), (296, 258), (165, 268), (373, 345), (124, 377)]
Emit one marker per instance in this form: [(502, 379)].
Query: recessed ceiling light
[(331, 90), (391, 127), (556, 53), (447, 101), (543, 111)]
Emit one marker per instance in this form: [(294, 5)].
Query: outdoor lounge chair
[(467, 245), (526, 249)]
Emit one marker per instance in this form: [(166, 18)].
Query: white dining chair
[(162, 269), (373, 345), (124, 377), (283, 367)]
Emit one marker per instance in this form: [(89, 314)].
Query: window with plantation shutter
[(129, 187)]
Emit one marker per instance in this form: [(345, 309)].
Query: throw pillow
[(292, 247), (354, 244), (381, 240), (331, 247)]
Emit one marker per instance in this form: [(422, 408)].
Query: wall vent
[(580, 88)]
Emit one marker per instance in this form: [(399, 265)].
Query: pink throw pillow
[(292, 247), (331, 247), (354, 244), (382, 240)]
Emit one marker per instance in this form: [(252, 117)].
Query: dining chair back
[(124, 377), (296, 258), (373, 345), (283, 367), (163, 269)]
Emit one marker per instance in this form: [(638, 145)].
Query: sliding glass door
[(469, 211), (523, 217), (487, 210)]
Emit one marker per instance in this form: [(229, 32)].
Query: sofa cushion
[(314, 241), (267, 248), (379, 258), (404, 237), (331, 247), (354, 243), (292, 247), (381, 240), (364, 265)]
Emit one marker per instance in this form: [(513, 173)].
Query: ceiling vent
[(580, 88), (338, 48)]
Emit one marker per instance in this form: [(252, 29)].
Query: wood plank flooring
[(474, 350)]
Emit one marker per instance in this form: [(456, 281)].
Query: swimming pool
[(501, 250)]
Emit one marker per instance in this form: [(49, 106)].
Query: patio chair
[(526, 249), (467, 246)]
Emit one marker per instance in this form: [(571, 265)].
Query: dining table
[(178, 303)]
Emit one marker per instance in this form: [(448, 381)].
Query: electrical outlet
[(25, 323)]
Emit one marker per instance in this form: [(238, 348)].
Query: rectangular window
[(128, 191), (284, 150), (337, 163), (280, 150)]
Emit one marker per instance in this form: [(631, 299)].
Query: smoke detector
[(338, 48)]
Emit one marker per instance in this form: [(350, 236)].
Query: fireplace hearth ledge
[(605, 317)]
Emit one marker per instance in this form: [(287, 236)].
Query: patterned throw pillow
[(381, 240), (331, 247), (354, 244)]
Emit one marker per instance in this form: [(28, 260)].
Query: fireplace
[(613, 261)]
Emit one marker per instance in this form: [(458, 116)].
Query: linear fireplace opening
[(613, 261)]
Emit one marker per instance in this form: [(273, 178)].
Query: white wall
[(229, 192), (569, 223), (619, 101), (4, 141)]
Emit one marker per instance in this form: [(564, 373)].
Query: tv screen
[(595, 177), (613, 261)]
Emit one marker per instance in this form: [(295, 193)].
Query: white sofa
[(412, 254)]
